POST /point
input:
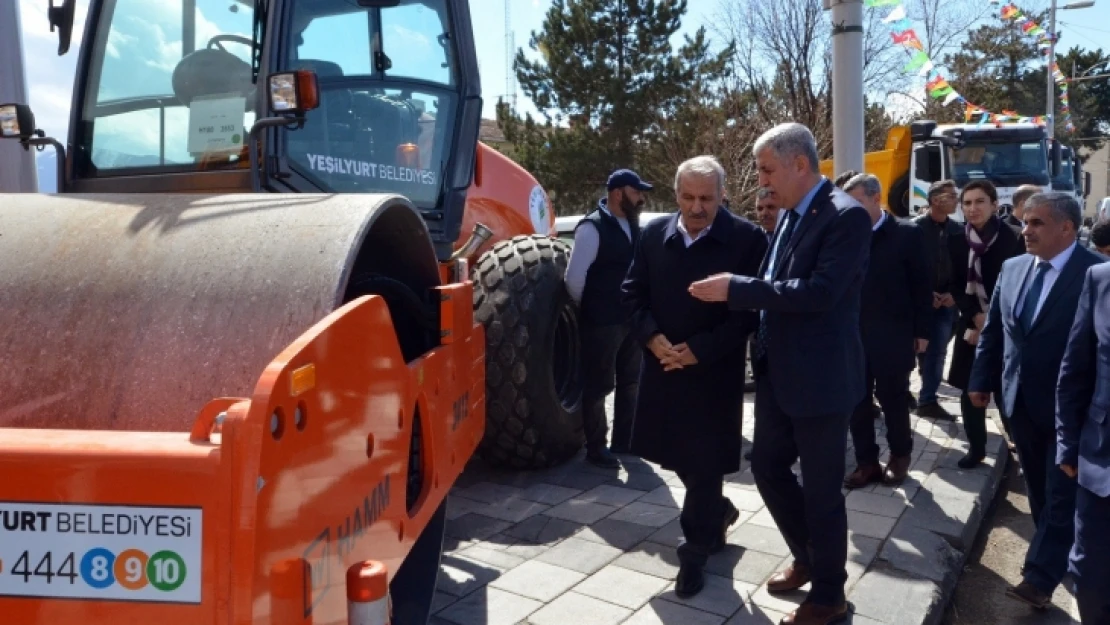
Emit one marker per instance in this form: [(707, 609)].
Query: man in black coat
[(603, 243), (809, 367), (895, 314), (946, 252), (1030, 316), (690, 402)]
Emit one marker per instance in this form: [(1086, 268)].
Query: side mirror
[(61, 17), (294, 93), (16, 122), (922, 130), (1057, 156), (290, 95)]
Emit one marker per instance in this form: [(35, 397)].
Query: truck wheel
[(533, 379), (899, 197)]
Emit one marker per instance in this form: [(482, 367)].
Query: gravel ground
[(995, 563)]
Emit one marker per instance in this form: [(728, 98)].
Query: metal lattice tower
[(510, 51)]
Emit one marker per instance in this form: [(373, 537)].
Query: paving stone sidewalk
[(581, 545)]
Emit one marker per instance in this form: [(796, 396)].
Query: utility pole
[(510, 52), (1050, 121), (847, 83), (17, 166)]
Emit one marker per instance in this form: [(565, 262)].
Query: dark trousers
[(975, 425), (1090, 557), (610, 361), (701, 519), (1051, 501), (811, 516), (891, 389)]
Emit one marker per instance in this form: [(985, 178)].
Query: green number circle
[(166, 571)]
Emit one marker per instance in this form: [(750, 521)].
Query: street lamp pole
[(1050, 124), (1083, 75), (1050, 121), (847, 88)]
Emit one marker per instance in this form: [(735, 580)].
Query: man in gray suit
[(1027, 327), (808, 363)]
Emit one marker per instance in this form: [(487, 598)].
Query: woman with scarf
[(991, 241)]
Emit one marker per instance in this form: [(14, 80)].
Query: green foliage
[(608, 85), (1089, 99), (995, 69), (999, 68)]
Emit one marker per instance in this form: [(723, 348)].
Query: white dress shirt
[(681, 227), (1050, 276)]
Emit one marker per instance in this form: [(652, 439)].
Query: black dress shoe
[(934, 410), (1027, 593), (690, 581), (603, 458), (971, 460), (731, 516)]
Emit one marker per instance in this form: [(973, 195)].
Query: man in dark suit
[(1026, 330), (1082, 448), (766, 212), (809, 365), (895, 315), (602, 252), (689, 407)]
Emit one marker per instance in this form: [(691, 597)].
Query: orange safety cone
[(368, 594)]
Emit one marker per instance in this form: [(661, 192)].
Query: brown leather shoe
[(814, 614), (793, 578), (896, 470), (864, 475)]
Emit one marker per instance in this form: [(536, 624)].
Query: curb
[(914, 577)]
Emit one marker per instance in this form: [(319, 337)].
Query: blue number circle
[(96, 568)]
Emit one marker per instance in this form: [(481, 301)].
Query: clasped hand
[(671, 356)]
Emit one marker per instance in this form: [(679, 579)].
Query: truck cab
[(1008, 156)]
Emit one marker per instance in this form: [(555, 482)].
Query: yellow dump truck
[(891, 165)]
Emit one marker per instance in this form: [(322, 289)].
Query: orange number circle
[(130, 569)]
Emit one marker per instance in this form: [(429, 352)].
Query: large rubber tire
[(533, 379), (898, 199)]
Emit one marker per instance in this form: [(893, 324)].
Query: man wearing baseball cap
[(603, 244)]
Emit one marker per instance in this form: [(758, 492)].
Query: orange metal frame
[(295, 484)]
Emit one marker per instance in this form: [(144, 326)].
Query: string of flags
[(937, 86), (1044, 40)]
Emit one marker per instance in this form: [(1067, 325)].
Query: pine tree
[(607, 79), (1089, 99), (995, 69)]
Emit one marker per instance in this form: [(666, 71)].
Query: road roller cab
[(248, 348)]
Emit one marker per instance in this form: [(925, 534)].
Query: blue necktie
[(1029, 306), (787, 231)]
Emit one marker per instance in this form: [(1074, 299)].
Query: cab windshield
[(387, 101), (168, 87), (1006, 164)]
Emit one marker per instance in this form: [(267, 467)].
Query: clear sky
[(50, 77)]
